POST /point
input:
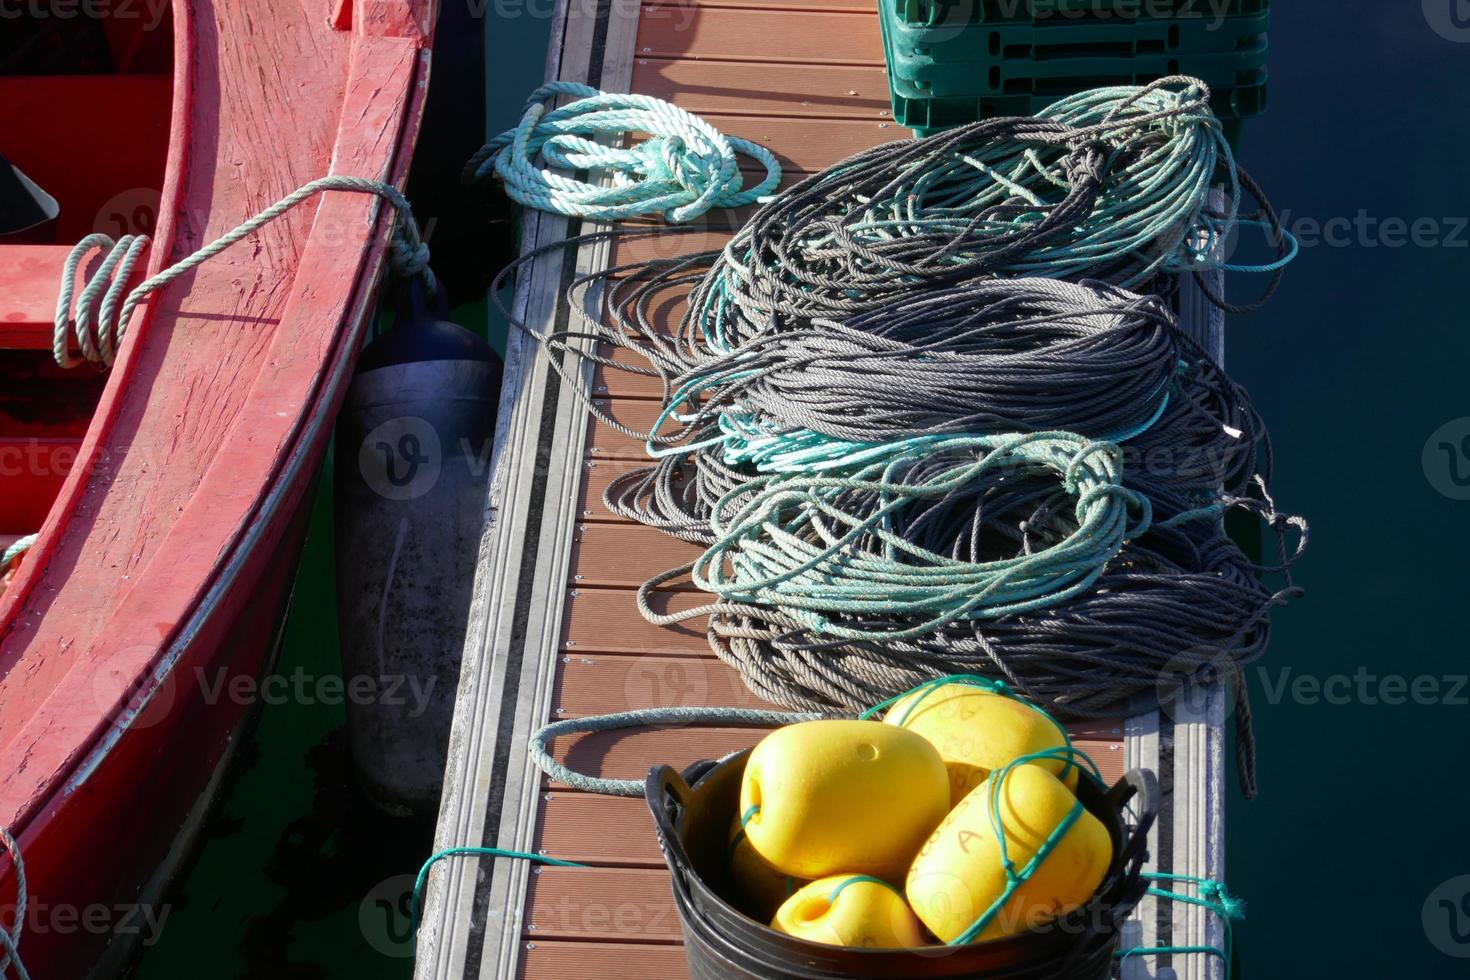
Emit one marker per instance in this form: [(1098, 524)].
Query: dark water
[(1348, 860), (1361, 358)]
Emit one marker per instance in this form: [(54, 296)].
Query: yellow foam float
[(842, 797), (850, 910), (959, 874), (978, 730)]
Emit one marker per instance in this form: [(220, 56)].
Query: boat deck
[(555, 632)]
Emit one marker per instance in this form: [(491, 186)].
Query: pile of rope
[(683, 169), (909, 456), (1111, 184)]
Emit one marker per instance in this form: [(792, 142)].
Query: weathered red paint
[(163, 566)]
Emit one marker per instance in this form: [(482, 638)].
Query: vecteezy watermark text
[(300, 687), (150, 12)]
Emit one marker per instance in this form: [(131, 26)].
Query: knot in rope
[(104, 311), (686, 167)]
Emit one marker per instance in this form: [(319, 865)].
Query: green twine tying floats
[(687, 168), (1016, 877), (820, 546), (997, 687)]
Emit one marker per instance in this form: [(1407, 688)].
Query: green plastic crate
[(1062, 75), (948, 13), (1064, 39), (1012, 74), (928, 116)]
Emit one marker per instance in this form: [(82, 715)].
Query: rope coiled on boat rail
[(105, 305)]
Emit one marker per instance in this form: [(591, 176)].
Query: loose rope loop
[(823, 546), (100, 325), (540, 745), (683, 171)]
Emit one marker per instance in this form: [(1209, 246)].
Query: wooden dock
[(554, 631)]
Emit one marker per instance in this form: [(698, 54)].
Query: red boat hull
[(161, 572)]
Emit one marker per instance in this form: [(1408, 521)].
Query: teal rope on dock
[(1212, 897), (540, 746), (826, 394), (821, 546), (683, 171), (422, 880), (1111, 184)]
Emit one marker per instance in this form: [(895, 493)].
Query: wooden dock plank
[(627, 555), (594, 685), (615, 383), (596, 475), (597, 621), (603, 904), (767, 36), (742, 88), (604, 442), (579, 961), (627, 839)]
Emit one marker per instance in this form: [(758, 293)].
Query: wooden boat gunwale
[(240, 520)]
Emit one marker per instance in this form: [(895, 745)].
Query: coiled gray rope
[(774, 363), (1029, 352), (100, 324), (1111, 184)]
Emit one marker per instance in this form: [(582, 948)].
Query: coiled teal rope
[(820, 546), (884, 305), (1111, 184), (683, 170), (105, 306)]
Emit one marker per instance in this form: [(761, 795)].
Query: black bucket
[(693, 814)]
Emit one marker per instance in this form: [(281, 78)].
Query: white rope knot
[(683, 170), (100, 324), (98, 328)]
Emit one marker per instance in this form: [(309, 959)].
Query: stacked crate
[(952, 62)]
